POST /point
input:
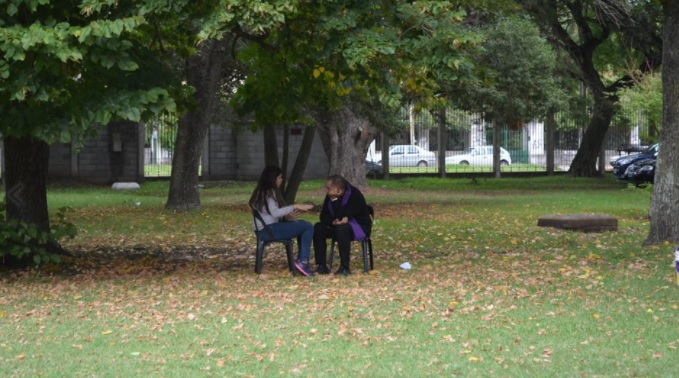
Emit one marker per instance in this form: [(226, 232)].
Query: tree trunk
[(270, 146), (584, 162), (26, 161), (549, 145), (300, 165), (203, 72), (346, 139), (665, 201), (26, 189), (385, 156), (286, 154), (496, 147), (443, 139)]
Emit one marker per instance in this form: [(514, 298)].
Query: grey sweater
[(274, 214)]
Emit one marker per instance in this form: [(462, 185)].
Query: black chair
[(261, 244), (366, 246)]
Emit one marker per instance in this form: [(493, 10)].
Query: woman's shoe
[(303, 268)]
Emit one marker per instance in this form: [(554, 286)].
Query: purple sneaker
[(303, 268)]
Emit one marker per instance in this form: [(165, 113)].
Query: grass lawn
[(163, 294)]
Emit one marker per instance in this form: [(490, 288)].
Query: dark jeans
[(300, 229), (343, 234)]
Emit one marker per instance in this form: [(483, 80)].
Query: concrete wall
[(239, 155), (116, 153)]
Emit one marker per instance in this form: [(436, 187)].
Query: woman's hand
[(302, 206)]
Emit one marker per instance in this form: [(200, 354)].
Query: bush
[(22, 241)]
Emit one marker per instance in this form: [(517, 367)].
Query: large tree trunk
[(665, 202), (584, 163), (346, 139), (204, 72), (26, 162)]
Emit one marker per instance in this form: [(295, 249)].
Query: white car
[(405, 155), (482, 155)]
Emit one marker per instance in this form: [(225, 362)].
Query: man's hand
[(338, 222)]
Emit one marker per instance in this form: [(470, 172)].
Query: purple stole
[(359, 234)]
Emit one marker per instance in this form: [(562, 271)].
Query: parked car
[(641, 171), (482, 155), (404, 155), (373, 168), (620, 164)]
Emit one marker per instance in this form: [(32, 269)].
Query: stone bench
[(580, 222)]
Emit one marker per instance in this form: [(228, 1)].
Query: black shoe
[(322, 269), (343, 271)]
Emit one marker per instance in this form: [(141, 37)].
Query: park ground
[(149, 292)]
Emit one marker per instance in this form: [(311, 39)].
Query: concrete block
[(580, 222), (125, 185)]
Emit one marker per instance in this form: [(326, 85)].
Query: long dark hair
[(266, 186)]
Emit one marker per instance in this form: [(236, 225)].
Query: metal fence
[(465, 133), (161, 133), (468, 138)]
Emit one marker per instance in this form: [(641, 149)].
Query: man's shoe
[(343, 271), (303, 268), (322, 269)]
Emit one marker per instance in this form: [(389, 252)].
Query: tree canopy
[(69, 66)]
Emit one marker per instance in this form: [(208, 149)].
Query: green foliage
[(646, 98), (21, 240), (68, 67), (378, 53), (521, 82)]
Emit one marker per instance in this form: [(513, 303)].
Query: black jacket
[(355, 208)]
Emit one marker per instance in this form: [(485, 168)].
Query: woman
[(268, 200)]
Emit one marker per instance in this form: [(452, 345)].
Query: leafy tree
[(602, 38), (665, 201), (334, 66), (519, 84), (645, 97), (207, 73), (67, 68)]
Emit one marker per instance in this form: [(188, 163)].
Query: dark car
[(373, 168), (641, 172), (620, 164)]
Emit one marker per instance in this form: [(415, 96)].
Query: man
[(344, 217)]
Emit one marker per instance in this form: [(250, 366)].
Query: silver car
[(404, 155), (482, 155)]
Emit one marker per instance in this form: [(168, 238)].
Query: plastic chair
[(261, 244), (366, 247)]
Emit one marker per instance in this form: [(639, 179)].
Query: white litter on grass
[(406, 265)]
